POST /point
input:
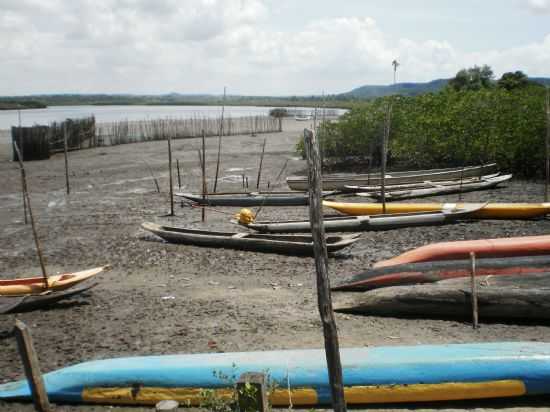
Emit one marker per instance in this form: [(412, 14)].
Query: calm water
[(104, 114)]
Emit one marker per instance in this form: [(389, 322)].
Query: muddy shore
[(160, 298)]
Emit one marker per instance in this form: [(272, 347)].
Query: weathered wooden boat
[(339, 181), (370, 375), (483, 248), (11, 304), (429, 272), (438, 190), (488, 211), (367, 223), (419, 185), (288, 244), (35, 285), (251, 198), (498, 297)]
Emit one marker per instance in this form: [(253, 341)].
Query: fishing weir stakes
[(321, 266)]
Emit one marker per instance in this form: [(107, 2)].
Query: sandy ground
[(240, 300)]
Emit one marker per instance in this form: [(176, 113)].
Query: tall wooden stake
[(474, 290), (32, 367), (34, 233), (169, 140), (22, 183), (260, 168), (321, 265), (204, 188), (547, 143), (66, 158), (219, 144), (179, 176)]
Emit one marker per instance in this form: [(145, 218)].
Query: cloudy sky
[(261, 47)]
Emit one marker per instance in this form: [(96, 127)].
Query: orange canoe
[(484, 248), (35, 285)]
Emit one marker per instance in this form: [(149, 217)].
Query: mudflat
[(161, 298)]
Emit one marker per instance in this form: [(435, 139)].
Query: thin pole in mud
[(22, 182), (547, 144), (260, 167), (65, 150), (179, 175), (152, 175), (169, 140), (461, 180), (474, 289), (34, 233), (219, 144), (203, 167), (321, 265)]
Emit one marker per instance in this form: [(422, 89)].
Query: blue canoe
[(371, 375)]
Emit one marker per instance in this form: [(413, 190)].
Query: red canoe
[(484, 248)]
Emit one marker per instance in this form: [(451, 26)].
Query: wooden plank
[(252, 392), (321, 265), (32, 367)]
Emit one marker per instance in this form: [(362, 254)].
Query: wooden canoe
[(488, 211), (367, 223), (484, 248), (340, 181), (35, 285), (498, 297), (11, 304), (419, 185), (440, 190), (371, 375), (429, 272), (287, 244), (251, 199)]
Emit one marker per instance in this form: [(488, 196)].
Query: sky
[(261, 47)]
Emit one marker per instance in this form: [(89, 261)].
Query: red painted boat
[(483, 248), (428, 272)]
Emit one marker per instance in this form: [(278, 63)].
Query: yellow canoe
[(35, 285), (489, 211)]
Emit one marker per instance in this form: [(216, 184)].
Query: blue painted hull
[(525, 362)]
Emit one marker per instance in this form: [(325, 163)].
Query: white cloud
[(539, 6), (191, 46)]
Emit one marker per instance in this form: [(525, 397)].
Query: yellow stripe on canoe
[(489, 211), (304, 397)]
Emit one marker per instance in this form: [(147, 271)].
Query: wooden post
[(169, 140), (204, 188), (152, 175), (66, 157), (474, 290), (219, 144), (34, 233), (179, 176), (461, 179), (32, 367), (547, 144), (260, 167), (252, 392), (321, 265)]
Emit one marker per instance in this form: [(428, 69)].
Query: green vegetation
[(11, 104), (471, 125)]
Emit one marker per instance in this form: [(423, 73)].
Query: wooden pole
[(547, 144), (66, 157), (34, 233), (474, 290), (169, 140), (20, 132), (219, 144), (260, 167), (252, 392), (152, 175), (321, 265), (32, 367), (179, 175), (385, 138), (204, 188)]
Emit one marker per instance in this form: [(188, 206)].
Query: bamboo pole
[(547, 144), (20, 131), (474, 290), (219, 144), (321, 265), (34, 233), (203, 166), (65, 150), (169, 140), (260, 167), (179, 175), (152, 175)]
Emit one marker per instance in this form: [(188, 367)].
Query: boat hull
[(488, 211), (249, 200), (370, 375)]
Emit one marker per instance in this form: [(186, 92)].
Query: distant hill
[(410, 89)]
